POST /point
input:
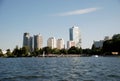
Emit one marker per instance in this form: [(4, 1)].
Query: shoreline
[(66, 55), (62, 55)]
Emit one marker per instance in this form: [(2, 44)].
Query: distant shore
[(66, 55), (75, 55), (62, 55)]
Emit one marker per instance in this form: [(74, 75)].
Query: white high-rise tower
[(75, 36), (51, 42)]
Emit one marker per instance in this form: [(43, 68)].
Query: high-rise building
[(38, 41), (60, 44), (51, 42), (27, 41), (75, 36)]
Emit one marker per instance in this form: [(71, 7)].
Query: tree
[(1, 53), (96, 50), (47, 50), (56, 51), (87, 51), (16, 52), (112, 45), (63, 51), (116, 37), (37, 52), (74, 50), (9, 54), (25, 51)]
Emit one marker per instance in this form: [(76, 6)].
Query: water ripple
[(60, 69)]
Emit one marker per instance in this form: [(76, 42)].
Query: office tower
[(60, 44), (38, 41), (74, 33), (27, 41), (51, 42), (70, 44)]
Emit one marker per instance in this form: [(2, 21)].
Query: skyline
[(96, 19)]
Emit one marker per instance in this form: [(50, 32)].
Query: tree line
[(25, 51), (109, 46)]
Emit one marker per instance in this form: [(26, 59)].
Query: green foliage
[(1, 53), (47, 50), (63, 51), (112, 45), (17, 52), (9, 54), (56, 51), (25, 51), (87, 51), (74, 50), (37, 52), (116, 37), (96, 51)]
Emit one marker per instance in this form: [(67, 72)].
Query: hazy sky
[(95, 18)]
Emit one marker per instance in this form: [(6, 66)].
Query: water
[(60, 69)]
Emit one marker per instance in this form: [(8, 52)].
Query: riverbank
[(62, 55)]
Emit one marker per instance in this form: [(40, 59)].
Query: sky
[(53, 18)]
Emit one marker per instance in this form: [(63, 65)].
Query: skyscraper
[(27, 41), (60, 44), (51, 42), (74, 33), (38, 41)]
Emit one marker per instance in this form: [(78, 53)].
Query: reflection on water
[(60, 69)]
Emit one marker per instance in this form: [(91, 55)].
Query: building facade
[(38, 41), (28, 41), (98, 44), (75, 36), (106, 38), (60, 44), (70, 44), (51, 42)]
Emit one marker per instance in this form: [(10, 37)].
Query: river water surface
[(60, 69)]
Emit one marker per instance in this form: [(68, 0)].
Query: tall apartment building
[(60, 44), (38, 41), (75, 36), (51, 42), (28, 41)]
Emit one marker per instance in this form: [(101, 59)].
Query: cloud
[(77, 12)]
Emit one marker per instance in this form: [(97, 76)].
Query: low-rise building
[(70, 44)]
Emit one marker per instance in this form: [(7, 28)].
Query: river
[(60, 69)]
